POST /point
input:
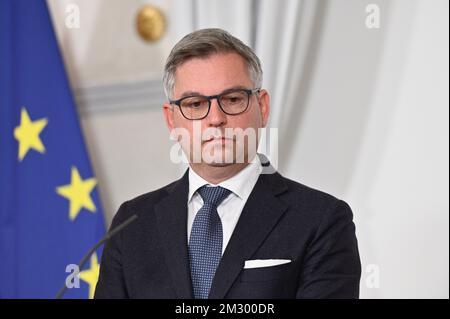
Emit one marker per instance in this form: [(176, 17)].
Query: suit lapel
[(259, 216), (171, 214)]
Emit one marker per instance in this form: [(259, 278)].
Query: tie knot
[(213, 195)]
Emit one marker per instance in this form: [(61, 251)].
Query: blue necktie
[(205, 243)]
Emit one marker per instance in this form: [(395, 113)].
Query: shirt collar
[(240, 184)]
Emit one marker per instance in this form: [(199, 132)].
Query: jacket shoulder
[(304, 198), (142, 203), (311, 193)]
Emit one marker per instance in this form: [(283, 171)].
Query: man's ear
[(264, 106), (168, 115)]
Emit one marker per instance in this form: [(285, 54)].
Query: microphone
[(86, 257)]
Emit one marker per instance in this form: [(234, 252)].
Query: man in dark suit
[(230, 227)]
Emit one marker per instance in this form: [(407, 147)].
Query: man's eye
[(233, 99), (193, 103)]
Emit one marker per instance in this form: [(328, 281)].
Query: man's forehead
[(225, 90), (211, 75), (214, 57)]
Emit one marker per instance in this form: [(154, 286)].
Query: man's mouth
[(217, 138)]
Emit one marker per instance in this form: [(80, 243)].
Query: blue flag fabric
[(50, 213)]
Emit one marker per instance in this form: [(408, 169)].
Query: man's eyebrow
[(189, 93), (194, 93)]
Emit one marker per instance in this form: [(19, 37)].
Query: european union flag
[(50, 212)]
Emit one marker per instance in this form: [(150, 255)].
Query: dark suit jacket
[(282, 219)]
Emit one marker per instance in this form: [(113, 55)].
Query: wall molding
[(123, 96)]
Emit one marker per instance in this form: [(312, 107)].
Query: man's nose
[(216, 116)]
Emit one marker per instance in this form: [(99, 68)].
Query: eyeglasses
[(231, 102)]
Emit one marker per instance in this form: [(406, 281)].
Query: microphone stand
[(86, 257)]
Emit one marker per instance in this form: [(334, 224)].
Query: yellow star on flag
[(78, 193), (90, 276), (27, 134)]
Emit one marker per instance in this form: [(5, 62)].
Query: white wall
[(372, 126), (399, 189), (373, 130)]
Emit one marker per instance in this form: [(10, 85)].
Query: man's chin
[(219, 164), (213, 162)]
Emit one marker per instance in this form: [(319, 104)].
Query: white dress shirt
[(240, 185)]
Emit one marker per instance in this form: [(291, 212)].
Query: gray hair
[(204, 43)]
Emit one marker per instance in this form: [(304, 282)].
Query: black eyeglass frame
[(217, 97)]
